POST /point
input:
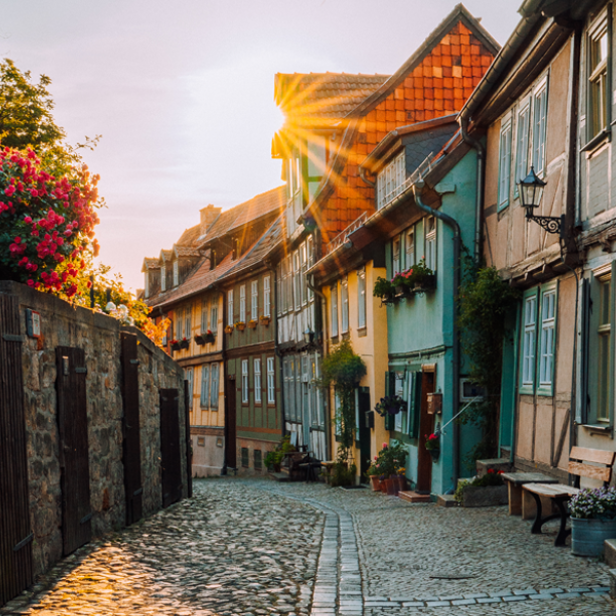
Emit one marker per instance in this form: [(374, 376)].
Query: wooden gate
[(230, 428), (170, 446), (189, 451), (15, 535), (131, 444), (74, 463)]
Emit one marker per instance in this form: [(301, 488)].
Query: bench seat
[(517, 504)]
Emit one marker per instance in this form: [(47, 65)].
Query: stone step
[(279, 476), (446, 500), (413, 497), (609, 552), (498, 464)]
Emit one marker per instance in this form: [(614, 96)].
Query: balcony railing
[(423, 169)]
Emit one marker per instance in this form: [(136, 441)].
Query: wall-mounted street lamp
[(531, 191)]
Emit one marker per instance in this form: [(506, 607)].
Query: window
[(304, 267), (604, 331), (243, 303), (528, 351), (334, 310), (187, 322), (190, 373), (430, 226), (361, 298), (271, 381), (548, 317), (214, 319), (230, 307), (391, 180), (310, 258), (296, 280), (267, 297), (344, 301), (540, 109), (395, 256), (522, 143), (244, 381), (178, 324), (410, 248), (215, 372), (176, 273), (163, 278), (205, 385), (254, 300), (204, 326), (257, 377), (505, 164), (598, 95)]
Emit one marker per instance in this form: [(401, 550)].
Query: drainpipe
[(362, 175), (478, 146), (455, 227)]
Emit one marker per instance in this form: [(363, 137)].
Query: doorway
[(426, 427)]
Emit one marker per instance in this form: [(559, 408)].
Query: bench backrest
[(579, 457)]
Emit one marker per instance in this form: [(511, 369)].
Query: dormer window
[(146, 291), (176, 273), (163, 278), (391, 181)]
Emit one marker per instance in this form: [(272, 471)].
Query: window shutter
[(414, 404), (581, 413)]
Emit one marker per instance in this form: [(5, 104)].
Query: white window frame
[(190, 375), (540, 117), (243, 303), (548, 332), (214, 386), (267, 297), (344, 305), (529, 343), (391, 180), (245, 392), (271, 381), (334, 310), (230, 315), (257, 385), (361, 298), (176, 273), (163, 278), (409, 247), (296, 280), (504, 173), (430, 242), (187, 321), (214, 318), (205, 386), (598, 114), (522, 141), (204, 315), (254, 300), (396, 265)]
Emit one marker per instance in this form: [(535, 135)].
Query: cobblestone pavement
[(256, 547)]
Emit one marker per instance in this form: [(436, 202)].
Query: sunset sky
[(182, 92)]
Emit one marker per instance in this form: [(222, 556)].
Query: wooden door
[(189, 450), (15, 535), (426, 426), (230, 425), (74, 462), (170, 457), (131, 444)]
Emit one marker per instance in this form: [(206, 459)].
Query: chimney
[(208, 215)]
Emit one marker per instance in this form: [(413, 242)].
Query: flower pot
[(391, 489), (209, 338), (427, 283), (184, 344), (175, 347), (588, 535), (375, 483), (200, 340), (229, 329), (383, 486), (265, 321), (240, 326), (252, 324), (396, 484), (435, 453)]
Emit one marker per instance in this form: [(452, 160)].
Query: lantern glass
[(531, 191)]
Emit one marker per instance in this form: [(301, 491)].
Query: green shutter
[(414, 404)]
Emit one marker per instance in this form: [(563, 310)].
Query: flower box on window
[(252, 324), (229, 329), (175, 345), (240, 325), (207, 338), (426, 283), (386, 290), (184, 343), (265, 320)]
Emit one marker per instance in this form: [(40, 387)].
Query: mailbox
[(435, 403)]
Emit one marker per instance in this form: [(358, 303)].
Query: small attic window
[(163, 278), (176, 273)]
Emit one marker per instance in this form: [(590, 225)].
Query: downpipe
[(455, 227)]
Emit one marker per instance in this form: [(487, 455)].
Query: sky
[(182, 92)]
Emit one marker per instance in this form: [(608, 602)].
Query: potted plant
[(252, 324), (403, 282), (433, 445), (184, 343), (210, 337), (265, 320), (388, 461), (229, 329), (273, 460), (384, 289), (422, 278), (202, 339), (373, 473), (175, 345), (486, 491), (240, 325), (593, 520), (390, 405)]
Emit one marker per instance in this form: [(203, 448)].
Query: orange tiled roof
[(189, 236)]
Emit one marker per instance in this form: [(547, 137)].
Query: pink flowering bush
[(46, 223)]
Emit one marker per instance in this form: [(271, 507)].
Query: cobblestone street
[(244, 546)]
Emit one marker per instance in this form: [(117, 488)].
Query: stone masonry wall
[(99, 336)]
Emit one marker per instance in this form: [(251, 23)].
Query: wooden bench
[(583, 462), (517, 503)]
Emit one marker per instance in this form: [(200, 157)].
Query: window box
[(175, 345), (265, 320), (205, 338), (185, 343), (240, 325), (229, 329), (384, 289), (426, 283), (252, 324)]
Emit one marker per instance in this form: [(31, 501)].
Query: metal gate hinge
[(23, 543), (13, 337), (81, 370)]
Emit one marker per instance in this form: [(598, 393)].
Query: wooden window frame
[(504, 162), (257, 384), (245, 382)]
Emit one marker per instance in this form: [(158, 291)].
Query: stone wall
[(99, 336)]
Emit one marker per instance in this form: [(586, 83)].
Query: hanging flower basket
[(240, 325), (252, 324), (390, 405), (265, 320), (433, 445), (229, 329)]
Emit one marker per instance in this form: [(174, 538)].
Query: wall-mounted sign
[(33, 323), (435, 404)]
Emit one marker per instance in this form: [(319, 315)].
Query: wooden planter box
[(488, 496), (428, 283)]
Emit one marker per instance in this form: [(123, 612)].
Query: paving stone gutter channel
[(338, 588)]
